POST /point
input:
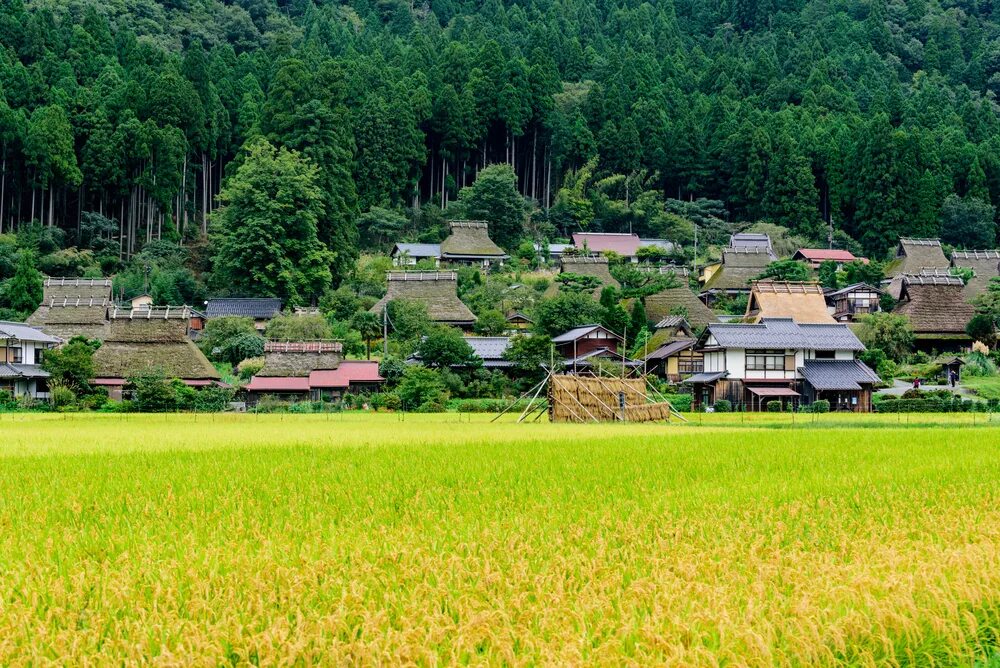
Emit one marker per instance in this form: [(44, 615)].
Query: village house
[(73, 307), (22, 349), (489, 349), (803, 302), (584, 348), (310, 371), (937, 310), (408, 255), (814, 257), (751, 240), (625, 244), (674, 353), (985, 265), (732, 276), (679, 300), (518, 323), (437, 290), (259, 309), (847, 303), (913, 257), (469, 243), (779, 359), (148, 340)]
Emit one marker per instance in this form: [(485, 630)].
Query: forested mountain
[(124, 120)]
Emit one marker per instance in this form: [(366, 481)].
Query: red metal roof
[(348, 372), (598, 242), (820, 254), (278, 384)]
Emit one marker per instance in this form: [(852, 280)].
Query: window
[(16, 355), (765, 360), (825, 354), (689, 366)]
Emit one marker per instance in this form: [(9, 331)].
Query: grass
[(747, 540), (986, 387)]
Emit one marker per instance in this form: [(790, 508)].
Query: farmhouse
[(778, 359), (150, 339), (814, 257), (913, 256), (937, 310), (740, 265), (21, 351), (438, 290), (408, 255), (675, 355), (625, 244), (849, 302), (802, 302), (470, 243), (985, 265), (518, 322), (310, 371), (261, 310), (586, 346), (489, 349), (74, 307)]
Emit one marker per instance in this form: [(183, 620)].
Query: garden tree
[(240, 347), (982, 327), (23, 292), (421, 388), (578, 283), (369, 326), (298, 328), (445, 346), (495, 199), (988, 303), (266, 235), (828, 274), (889, 332), (786, 270), (613, 316), (564, 312), (640, 284), (219, 331), (72, 365), (637, 321), (408, 319), (530, 355), (968, 222), (154, 393), (491, 322), (857, 271), (392, 369)]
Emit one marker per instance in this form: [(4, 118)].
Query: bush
[(820, 406), (774, 406), (723, 406), (62, 396), (978, 365), (680, 402), (248, 368), (421, 386), (212, 399)]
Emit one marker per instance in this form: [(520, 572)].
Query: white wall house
[(781, 360), (22, 349)]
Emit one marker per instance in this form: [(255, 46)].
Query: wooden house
[(779, 359), (310, 371), (814, 257), (585, 265), (408, 255), (437, 290), (144, 340), (469, 243), (913, 256), (22, 349), (846, 304), (674, 354), (518, 323), (73, 307), (937, 310), (585, 347), (259, 309), (739, 267), (985, 265), (803, 302)]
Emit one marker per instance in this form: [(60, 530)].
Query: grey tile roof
[(266, 307), (785, 333), (8, 370), (489, 348), (851, 288), (672, 321), (575, 333), (22, 332), (837, 374), (708, 377), (417, 250), (670, 348), (749, 240)]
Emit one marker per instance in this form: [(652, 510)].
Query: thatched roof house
[(740, 266), (681, 298), (470, 241), (803, 302), (585, 265), (151, 338), (985, 264), (300, 358), (74, 307), (912, 257), (438, 290), (937, 310)]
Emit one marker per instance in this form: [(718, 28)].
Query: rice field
[(360, 539)]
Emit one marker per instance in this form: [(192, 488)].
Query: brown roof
[(145, 339), (660, 305), (300, 358), (739, 267), (985, 264), (935, 304), (73, 307), (914, 255), (802, 302), (470, 238), (438, 290)]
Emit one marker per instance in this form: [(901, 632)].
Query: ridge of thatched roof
[(56, 287), (470, 238), (660, 305), (739, 267), (438, 290), (585, 265), (985, 264), (300, 358), (73, 307), (935, 304), (914, 255), (803, 302)]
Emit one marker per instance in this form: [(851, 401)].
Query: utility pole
[(385, 331), (829, 234)]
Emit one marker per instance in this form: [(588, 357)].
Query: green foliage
[(564, 312), (978, 365), (531, 355), (408, 319), (491, 322), (72, 365), (229, 339), (857, 271), (577, 283), (828, 275), (968, 222), (23, 292), (153, 392), (982, 327), (421, 387), (774, 406), (445, 346), (723, 406), (392, 369), (889, 332), (298, 328), (787, 270), (820, 406), (494, 198)]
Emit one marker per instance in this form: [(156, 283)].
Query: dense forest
[(850, 120)]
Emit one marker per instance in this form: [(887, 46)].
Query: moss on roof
[(436, 290), (470, 238), (299, 364), (661, 304)]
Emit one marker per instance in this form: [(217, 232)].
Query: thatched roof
[(470, 239), (739, 267), (660, 305), (300, 358), (74, 307), (144, 339), (596, 266), (802, 302), (914, 255), (935, 304), (438, 290), (985, 264), (76, 288)]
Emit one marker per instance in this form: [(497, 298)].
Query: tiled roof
[(672, 321), (348, 372), (598, 242), (578, 333), (261, 308), (707, 377), (10, 370), (750, 240), (22, 332), (785, 333), (852, 288), (837, 374), (488, 347), (417, 251), (662, 244)]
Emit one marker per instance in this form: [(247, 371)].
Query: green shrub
[(723, 406), (61, 396), (820, 406), (774, 406), (680, 402), (978, 365)]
